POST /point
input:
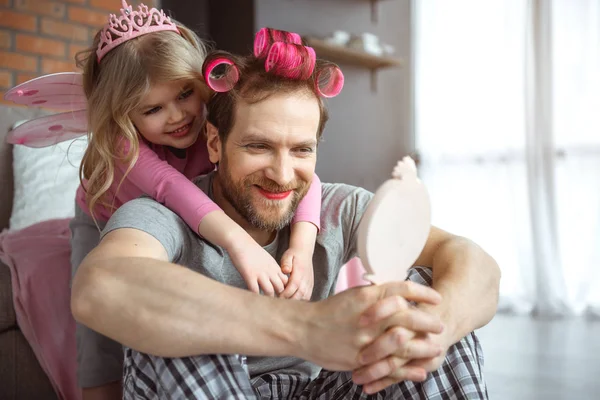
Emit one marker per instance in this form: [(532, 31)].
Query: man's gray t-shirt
[(342, 207)]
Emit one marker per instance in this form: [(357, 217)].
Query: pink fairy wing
[(49, 130), (61, 91)]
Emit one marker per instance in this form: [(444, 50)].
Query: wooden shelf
[(346, 55)]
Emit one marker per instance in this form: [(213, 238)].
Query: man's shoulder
[(342, 187), (148, 215), (343, 205), (344, 193), (143, 205), (140, 213)]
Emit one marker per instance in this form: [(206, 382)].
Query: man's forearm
[(468, 280), (167, 310)]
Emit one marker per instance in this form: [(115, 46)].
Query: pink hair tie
[(267, 36), (330, 81), (291, 60), (225, 78)]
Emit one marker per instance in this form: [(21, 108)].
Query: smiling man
[(187, 320)]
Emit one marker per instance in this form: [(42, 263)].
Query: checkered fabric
[(226, 377)]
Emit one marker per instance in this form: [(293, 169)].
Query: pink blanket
[(38, 258)]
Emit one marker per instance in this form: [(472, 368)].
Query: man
[(181, 310)]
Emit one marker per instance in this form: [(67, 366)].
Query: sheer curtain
[(506, 94)]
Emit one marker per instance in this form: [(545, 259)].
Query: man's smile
[(274, 195)]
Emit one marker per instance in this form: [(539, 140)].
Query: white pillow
[(46, 180)]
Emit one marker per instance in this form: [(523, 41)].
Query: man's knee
[(421, 275), (202, 377), (468, 348), (463, 369)]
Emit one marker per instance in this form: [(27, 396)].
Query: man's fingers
[(428, 364), (412, 291), (383, 309), (395, 298), (390, 367), (401, 343), (415, 320), (385, 345), (414, 374)]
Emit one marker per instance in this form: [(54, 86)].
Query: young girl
[(146, 114)]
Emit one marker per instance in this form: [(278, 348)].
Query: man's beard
[(270, 215)]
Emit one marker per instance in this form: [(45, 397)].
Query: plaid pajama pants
[(226, 377)]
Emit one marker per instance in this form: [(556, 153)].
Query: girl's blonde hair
[(115, 86)]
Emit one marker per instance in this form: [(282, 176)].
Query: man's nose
[(281, 170)]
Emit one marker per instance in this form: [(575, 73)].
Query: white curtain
[(507, 122)]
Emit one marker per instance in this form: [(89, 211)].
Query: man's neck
[(261, 236)]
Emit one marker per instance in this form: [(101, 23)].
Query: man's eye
[(256, 146), (152, 111), (304, 151)]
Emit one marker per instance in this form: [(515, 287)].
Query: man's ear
[(213, 142)]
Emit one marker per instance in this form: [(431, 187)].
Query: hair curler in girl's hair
[(267, 36), (329, 81), (292, 61), (221, 74)]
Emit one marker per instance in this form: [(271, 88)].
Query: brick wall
[(40, 37)]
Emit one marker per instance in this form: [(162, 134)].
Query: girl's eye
[(186, 94), (152, 111)]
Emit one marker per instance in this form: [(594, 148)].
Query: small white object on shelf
[(339, 38), (367, 42)]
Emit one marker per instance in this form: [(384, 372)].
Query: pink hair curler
[(266, 37), (225, 78), (291, 60), (330, 81)]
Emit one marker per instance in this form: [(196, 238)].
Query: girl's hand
[(302, 279), (258, 269)]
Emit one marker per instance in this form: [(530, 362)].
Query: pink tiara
[(132, 24)]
